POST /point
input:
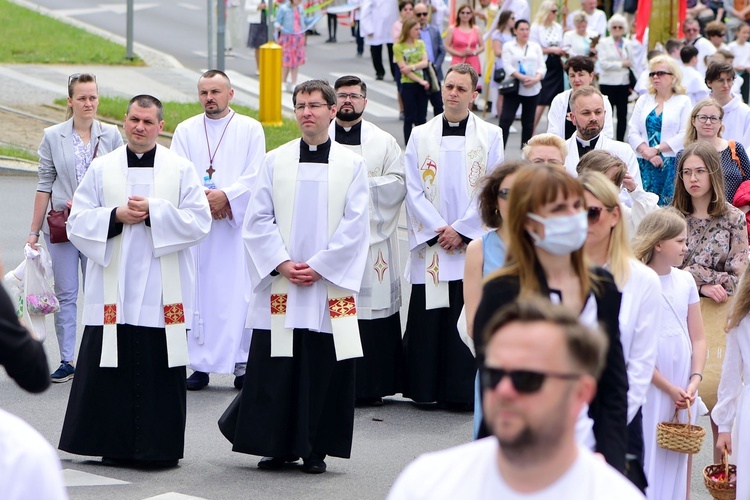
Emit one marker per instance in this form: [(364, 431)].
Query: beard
[(349, 115), (590, 132)]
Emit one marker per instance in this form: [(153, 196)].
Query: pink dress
[(462, 41), (293, 44)]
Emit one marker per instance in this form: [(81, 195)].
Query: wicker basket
[(681, 438), (721, 490)]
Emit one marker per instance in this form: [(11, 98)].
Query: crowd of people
[(605, 273)]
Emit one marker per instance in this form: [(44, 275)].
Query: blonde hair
[(542, 183), (660, 225), (741, 304), (544, 8), (677, 87), (618, 251), (546, 139), (691, 134)]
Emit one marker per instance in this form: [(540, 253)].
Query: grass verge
[(29, 37), (14, 152), (177, 112)]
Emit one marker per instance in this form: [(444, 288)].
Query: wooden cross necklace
[(210, 170)]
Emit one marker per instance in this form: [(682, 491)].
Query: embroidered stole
[(166, 186), (341, 303), (436, 291)]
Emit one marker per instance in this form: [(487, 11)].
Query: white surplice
[(733, 406), (339, 260), (173, 229), (620, 149), (386, 183), (558, 112), (218, 338), (457, 207)]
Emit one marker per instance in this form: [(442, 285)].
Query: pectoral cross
[(210, 171)]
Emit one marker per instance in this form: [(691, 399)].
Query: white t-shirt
[(470, 472)]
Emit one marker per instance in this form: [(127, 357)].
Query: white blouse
[(530, 58)]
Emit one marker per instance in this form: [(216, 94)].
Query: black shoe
[(197, 381), (379, 77), (239, 382), (139, 464), (453, 406), (360, 402), (276, 463), (313, 466), (331, 40)]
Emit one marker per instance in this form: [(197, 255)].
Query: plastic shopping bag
[(15, 284), (38, 289)]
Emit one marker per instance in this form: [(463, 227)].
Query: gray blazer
[(57, 161), (439, 48)]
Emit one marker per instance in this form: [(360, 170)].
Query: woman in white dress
[(660, 243), (733, 407)]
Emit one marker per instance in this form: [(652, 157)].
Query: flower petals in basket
[(721, 479)]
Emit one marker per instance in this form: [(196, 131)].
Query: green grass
[(177, 112), (14, 152), (29, 37)]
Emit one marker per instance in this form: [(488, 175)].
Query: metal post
[(270, 83), (210, 18), (129, 32), (220, 34)]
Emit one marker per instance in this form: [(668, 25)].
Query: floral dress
[(657, 180)]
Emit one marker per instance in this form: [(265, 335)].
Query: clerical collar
[(145, 161), (350, 137), (450, 128), (314, 154), (588, 144)]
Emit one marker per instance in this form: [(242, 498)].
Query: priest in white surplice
[(307, 236), (446, 159), (135, 216), (380, 371), (228, 148)]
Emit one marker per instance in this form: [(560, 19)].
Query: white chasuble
[(317, 214), (443, 176), (218, 338), (147, 257), (380, 293)]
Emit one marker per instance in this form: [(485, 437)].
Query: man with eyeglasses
[(433, 43), (446, 159), (538, 370), (693, 36), (720, 79), (587, 113), (307, 236), (379, 371), (597, 19), (227, 149)]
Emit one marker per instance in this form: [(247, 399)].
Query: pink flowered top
[(721, 254)]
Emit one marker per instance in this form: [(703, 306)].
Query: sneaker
[(64, 373), (197, 381)]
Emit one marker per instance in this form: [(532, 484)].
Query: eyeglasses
[(554, 11), (524, 381), (343, 96), (724, 81), (594, 214), (552, 161), (421, 14), (708, 118), (687, 173), (314, 106), (659, 74), (465, 12), (718, 34), (75, 76), (690, 30), (504, 193), (617, 27)]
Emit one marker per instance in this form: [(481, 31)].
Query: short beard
[(587, 136), (349, 116), (216, 112)]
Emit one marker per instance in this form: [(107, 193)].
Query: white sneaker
[(513, 130)]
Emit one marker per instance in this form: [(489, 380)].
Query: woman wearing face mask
[(546, 232), (607, 246)]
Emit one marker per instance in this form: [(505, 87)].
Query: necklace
[(210, 170)]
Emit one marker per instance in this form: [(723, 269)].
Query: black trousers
[(508, 114), (414, 97), (358, 37), (333, 23), (376, 52), (618, 97)]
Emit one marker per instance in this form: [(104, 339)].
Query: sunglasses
[(660, 74), (554, 11), (421, 14), (594, 214), (504, 193), (75, 76), (524, 381)]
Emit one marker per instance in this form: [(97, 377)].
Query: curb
[(17, 166), (151, 57)]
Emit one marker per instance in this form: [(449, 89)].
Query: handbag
[(498, 75), (431, 76), (509, 86), (56, 219)]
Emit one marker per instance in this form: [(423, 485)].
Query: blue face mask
[(562, 235)]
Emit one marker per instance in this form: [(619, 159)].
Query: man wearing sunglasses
[(693, 37), (379, 371), (433, 43), (587, 113), (539, 368)]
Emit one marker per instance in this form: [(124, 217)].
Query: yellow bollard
[(270, 84)]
